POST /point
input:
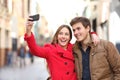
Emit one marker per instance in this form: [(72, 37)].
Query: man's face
[(80, 32)]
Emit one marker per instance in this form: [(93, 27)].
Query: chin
[(79, 40), (63, 44)]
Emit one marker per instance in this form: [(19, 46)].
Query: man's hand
[(95, 38)]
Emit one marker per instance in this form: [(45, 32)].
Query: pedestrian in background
[(93, 62), (58, 54), (21, 54), (31, 57), (9, 57)]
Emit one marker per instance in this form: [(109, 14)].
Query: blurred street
[(35, 71), (15, 63)]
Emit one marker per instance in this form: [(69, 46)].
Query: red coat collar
[(65, 53)]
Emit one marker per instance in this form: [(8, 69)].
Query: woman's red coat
[(60, 61)]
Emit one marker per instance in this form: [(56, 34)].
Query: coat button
[(67, 73), (65, 63), (74, 70), (61, 55)]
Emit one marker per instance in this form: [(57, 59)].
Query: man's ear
[(88, 28)]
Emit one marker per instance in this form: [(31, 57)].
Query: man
[(21, 54), (93, 62)]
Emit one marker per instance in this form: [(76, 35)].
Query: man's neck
[(85, 42)]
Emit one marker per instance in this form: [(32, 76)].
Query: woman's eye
[(60, 33), (66, 34)]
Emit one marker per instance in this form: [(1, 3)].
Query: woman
[(58, 54)]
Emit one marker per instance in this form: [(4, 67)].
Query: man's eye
[(78, 28), (73, 30)]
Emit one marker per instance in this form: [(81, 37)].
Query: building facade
[(5, 40), (12, 19), (13, 14), (98, 13)]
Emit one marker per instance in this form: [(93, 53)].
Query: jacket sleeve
[(114, 60), (36, 49)]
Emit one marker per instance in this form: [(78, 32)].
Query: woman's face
[(63, 37)]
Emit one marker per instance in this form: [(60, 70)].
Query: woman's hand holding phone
[(29, 23), (34, 17)]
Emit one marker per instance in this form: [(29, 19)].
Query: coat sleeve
[(114, 60), (36, 49)]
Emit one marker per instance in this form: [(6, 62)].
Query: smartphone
[(34, 17)]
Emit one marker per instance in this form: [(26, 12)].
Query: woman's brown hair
[(55, 41)]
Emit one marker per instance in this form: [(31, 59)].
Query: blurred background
[(103, 14)]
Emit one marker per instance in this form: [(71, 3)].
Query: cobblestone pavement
[(35, 71)]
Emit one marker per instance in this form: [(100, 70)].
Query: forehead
[(64, 30), (77, 25)]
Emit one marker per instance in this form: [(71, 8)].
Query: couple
[(85, 60)]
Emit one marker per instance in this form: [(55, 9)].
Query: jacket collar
[(65, 53), (77, 44)]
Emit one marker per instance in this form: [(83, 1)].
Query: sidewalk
[(35, 71)]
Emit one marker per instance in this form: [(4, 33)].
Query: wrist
[(28, 33)]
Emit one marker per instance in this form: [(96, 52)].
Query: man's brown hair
[(85, 21)]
